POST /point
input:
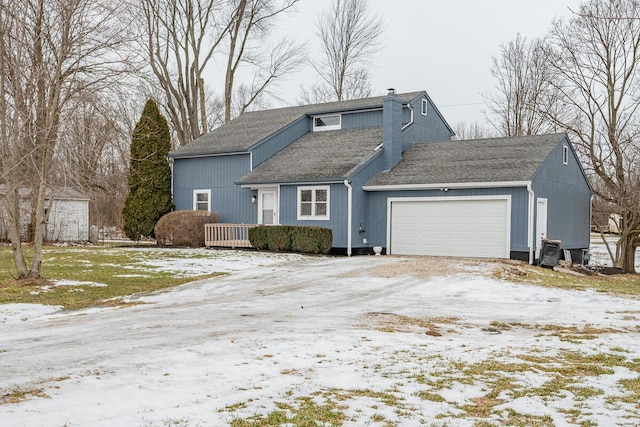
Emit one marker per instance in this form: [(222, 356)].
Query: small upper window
[(332, 122), (565, 155), (202, 200), (425, 105), (313, 203)]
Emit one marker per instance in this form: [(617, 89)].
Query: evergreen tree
[(149, 180)]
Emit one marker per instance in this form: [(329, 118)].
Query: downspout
[(349, 214), (411, 119), (170, 161), (530, 223), (590, 217)]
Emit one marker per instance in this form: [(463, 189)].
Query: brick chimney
[(391, 130)]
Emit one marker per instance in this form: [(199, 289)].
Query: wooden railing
[(227, 235)]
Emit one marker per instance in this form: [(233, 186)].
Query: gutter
[(447, 186), (256, 184), (530, 223), (349, 214), (199, 155)]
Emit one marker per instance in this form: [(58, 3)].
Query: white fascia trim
[(261, 186), (446, 186), (195, 156), (257, 186)]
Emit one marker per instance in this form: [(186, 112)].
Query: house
[(67, 220), (383, 171)]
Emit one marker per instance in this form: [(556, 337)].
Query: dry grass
[(427, 266), (391, 322)]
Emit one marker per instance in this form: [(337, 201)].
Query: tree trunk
[(38, 237), (627, 254), (14, 233)]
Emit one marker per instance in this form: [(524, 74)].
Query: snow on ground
[(402, 350), (193, 262)]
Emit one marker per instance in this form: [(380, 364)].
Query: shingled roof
[(327, 155), (481, 160), (252, 127)]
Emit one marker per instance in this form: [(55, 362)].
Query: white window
[(202, 200), (425, 105), (332, 122), (565, 155), (313, 203)]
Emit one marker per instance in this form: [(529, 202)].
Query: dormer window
[(423, 109), (331, 122)]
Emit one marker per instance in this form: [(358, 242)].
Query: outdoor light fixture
[(253, 199)]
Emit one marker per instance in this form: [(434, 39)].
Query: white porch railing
[(227, 235)]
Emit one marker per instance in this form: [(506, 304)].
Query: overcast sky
[(441, 46)]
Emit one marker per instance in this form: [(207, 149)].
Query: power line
[(461, 105)]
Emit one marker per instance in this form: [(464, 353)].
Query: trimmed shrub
[(312, 240), (279, 238), (183, 228), (258, 236)]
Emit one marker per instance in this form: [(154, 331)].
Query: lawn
[(81, 277)]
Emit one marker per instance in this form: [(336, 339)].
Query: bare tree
[(93, 152), (251, 24), (350, 37), (596, 58), (524, 97), (50, 52), (473, 130), (181, 38)]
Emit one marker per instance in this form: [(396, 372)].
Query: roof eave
[(446, 185), (302, 181), (206, 154)]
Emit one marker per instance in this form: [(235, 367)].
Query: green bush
[(279, 238), (258, 236), (312, 240), (183, 228)]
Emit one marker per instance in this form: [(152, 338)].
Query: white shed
[(68, 215)]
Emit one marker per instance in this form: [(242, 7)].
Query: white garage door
[(478, 227)]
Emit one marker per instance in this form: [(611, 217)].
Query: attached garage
[(450, 226)]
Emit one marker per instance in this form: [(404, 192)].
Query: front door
[(267, 207), (541, 224)]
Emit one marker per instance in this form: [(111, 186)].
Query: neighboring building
[(68, 215), (383, 171)]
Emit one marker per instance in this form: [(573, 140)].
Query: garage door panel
[(452, 227)]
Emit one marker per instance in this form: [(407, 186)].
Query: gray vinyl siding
[(338, 220), (279, 140), (361, 214), (427, 128), (568, 199), (365, 119), (218, 174), (377, 211), (337, 216)]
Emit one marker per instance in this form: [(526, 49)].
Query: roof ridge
[(335, 103)]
